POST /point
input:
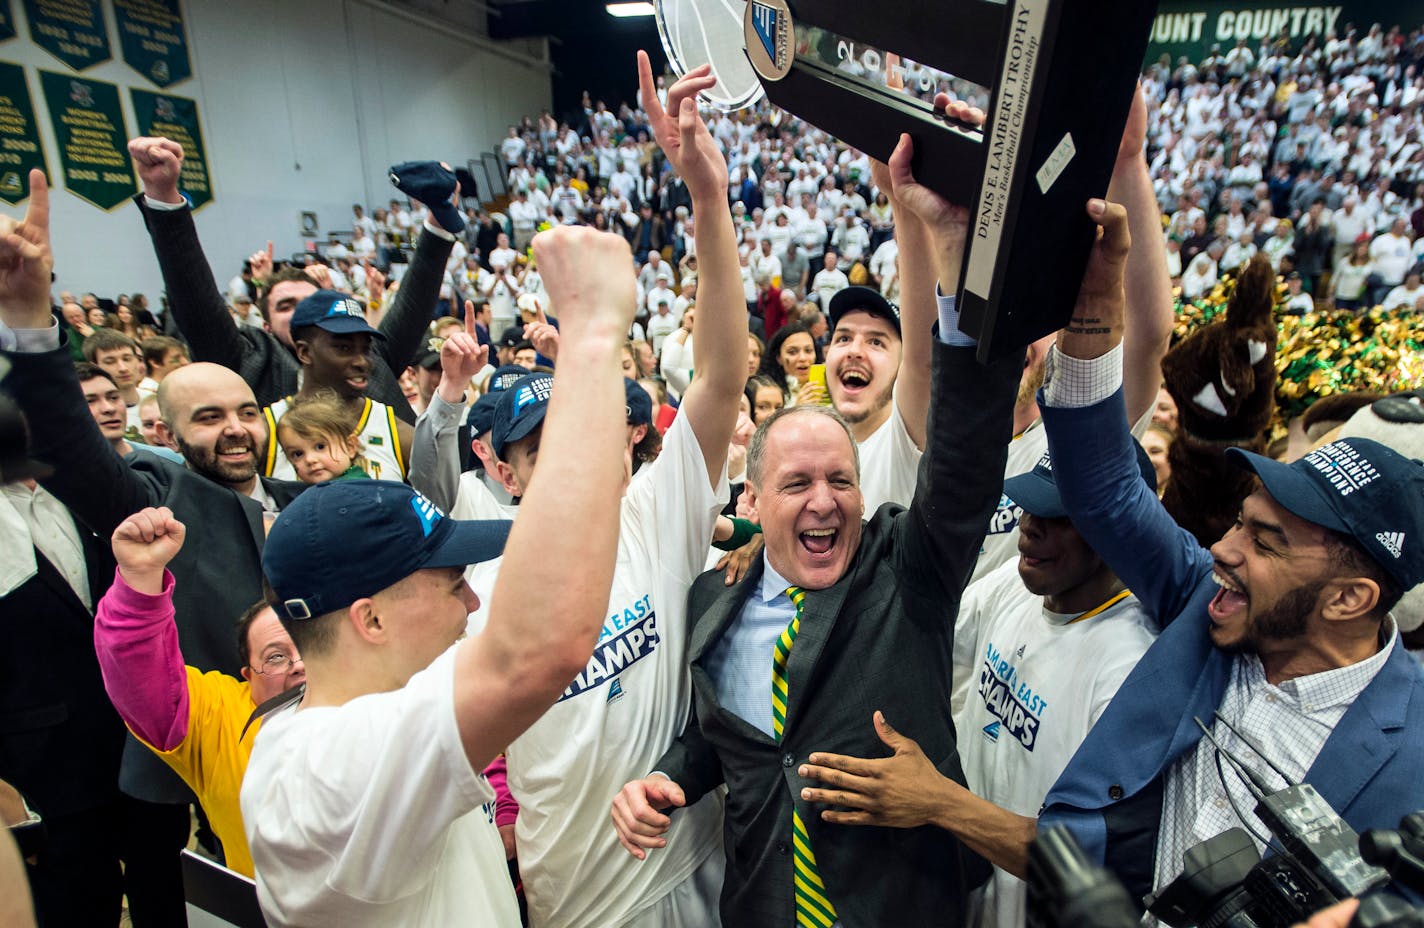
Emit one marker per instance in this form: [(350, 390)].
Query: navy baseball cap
[(865, 299), (1357, 487), (333, 311), (511, 336), (431, 183), (640, 404), (345, 540), (521, 409), (505, 377), (1036, 493), (480, 418)]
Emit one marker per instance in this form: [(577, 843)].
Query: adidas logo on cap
[(428, 513), (1393, 542)]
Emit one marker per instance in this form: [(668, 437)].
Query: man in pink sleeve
[(201, 724), (194, 721)]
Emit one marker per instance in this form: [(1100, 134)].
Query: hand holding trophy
[(867, 72)]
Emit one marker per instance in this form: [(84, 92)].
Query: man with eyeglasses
[(201, 724)]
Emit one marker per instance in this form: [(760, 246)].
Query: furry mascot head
[(1223, 379)]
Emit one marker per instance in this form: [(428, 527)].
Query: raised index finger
[(470, 318), (648, 90), (37, 214)]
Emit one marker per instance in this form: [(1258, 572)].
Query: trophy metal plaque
[(1055, 78)]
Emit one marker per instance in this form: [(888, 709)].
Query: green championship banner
[(1193, 27), (88, 123), (7, 21), (176, 118), (152, 39), (20, 146), (70, 30)]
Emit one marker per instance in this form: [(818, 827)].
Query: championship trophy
[(1055, 79)]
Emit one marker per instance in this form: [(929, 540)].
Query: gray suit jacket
[(880, 638)]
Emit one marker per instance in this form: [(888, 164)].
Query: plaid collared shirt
[(1289, 722)]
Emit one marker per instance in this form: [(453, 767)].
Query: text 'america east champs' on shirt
[(1028, 685), (622, 712)]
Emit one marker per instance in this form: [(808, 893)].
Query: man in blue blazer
[(1282, 627)]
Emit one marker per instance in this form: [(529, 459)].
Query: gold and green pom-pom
[(1325, 352)]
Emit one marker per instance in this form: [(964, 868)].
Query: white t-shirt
[(512, 147), (779, 236), (812, 233), (524, 215), (501, 292), (883, 261), (370, 814), (623, 711), (1350, 278), (1390, 254), (659, 327), (1402, 297), (765, 267), (889, 464), (658, 294), (827, 283), (475, 500), (1028, 685), (853, 242)]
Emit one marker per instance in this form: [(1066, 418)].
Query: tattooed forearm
[(1084, 325)]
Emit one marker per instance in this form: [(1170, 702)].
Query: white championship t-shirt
[(889, 463), (1028, 685), (622, 712), (370, 814)]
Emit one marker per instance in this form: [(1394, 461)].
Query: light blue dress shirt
[(740, 663)]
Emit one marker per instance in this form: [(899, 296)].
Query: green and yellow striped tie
[(813, 909)]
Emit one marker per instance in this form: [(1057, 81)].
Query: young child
[(321, 441)]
